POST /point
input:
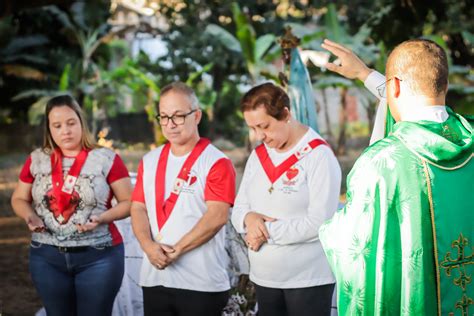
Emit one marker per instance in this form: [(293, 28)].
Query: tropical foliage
[(220, 48)]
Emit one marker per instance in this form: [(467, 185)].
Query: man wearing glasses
[(407, 235), (180, 205)]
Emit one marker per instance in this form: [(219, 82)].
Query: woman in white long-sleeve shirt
[(291, 185)]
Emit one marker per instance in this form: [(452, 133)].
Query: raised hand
[(349, 65)]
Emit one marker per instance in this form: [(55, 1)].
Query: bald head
[(422, 65)]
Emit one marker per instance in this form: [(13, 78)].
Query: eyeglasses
[(382, 88), (177, 119)]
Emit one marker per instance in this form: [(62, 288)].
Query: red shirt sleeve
[(138, 195), (25, 174), (117, 171), (220, 182)]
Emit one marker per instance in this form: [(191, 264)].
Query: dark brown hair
[(423, 64), (87, 140), (273, 98)]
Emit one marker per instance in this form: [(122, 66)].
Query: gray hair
[(181, 87)]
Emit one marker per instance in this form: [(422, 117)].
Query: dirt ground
[(17, 293)]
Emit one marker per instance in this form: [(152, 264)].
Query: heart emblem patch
[(292, 173)]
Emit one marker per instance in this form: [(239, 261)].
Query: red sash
[(164, 208), (273, 173), (63, 189)]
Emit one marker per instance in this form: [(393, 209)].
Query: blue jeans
[(77, 283)]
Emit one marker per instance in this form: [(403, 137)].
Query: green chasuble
[(389, 122), (403, 244)]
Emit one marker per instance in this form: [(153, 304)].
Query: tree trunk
[(217, 85), (371, 110), (94, 118), (341, 142), (329, 134), (150, 108)]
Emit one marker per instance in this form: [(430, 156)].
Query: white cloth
[(293, 258), (203, 268), (418, 112), (129, 299), (374, 80), (435, 113)]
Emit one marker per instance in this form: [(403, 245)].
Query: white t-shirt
[(303, 198), (212, 178)]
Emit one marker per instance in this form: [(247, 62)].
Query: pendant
[(60, 219), (68, 185), (159, 237), (271, 189), (178, 185)]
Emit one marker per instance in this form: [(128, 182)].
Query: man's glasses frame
[(177, 119), (381, 89)]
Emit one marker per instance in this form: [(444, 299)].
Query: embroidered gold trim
[(462, 164), (452, 168), (433, 225), (460, 262)]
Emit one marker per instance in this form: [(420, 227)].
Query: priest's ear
[(396, 87), (393, 88)]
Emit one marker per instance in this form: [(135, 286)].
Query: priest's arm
[(379, 245), (352, 238), (352, 67)]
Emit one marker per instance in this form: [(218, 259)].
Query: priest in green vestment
[(403, 244)]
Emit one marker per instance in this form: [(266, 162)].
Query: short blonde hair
[(423, 64)]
